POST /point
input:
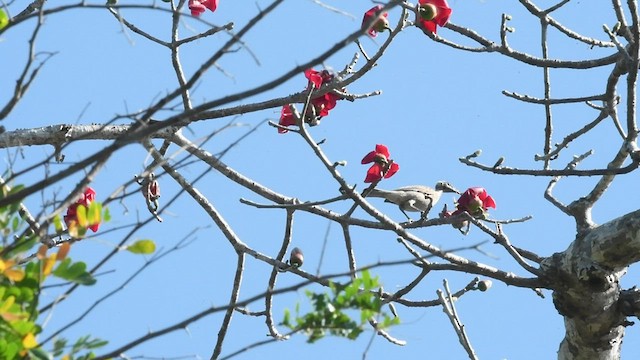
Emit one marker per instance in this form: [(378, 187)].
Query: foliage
[(22, 279), (330, 310)]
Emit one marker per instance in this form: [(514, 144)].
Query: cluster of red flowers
[(383, 166), (319, 106), (197, 7), (431, 13), (71, 219)]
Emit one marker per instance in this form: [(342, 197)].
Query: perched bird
[(414, 197)]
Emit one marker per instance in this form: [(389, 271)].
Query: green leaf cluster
[(20, 288), (330, 314), (72, 352)]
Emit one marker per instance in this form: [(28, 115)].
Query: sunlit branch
[(571, 137), (490, 46), (22, 84), (268, 300), (544, 14), (534, 100), (449, 308), (235, 293)]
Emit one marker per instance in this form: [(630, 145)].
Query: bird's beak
[(450, 188)]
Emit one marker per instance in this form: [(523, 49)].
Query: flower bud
[(381, 25), (296, 258), (484, 285), (427, 11)]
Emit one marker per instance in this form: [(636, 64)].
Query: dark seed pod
[(296, 258)]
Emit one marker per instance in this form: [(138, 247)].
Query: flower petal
[(392, 170), (211, 4), (196, 7), (374, 173), (442, 15), (314, 77), (429, 25), (369, 15), (488, 202), (382, 150), (369, 158)]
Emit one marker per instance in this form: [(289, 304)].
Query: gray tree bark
[(586, 289)]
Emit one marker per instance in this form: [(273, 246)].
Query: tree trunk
[(586, 290)]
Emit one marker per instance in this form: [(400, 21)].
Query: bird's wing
[(420, 188)]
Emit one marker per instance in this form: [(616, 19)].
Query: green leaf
[(59, 346), (40, 354), (11, 351), (106, 215), (85, 279), (287, 318), (57, 223), (81, 214), (96, 343), (75, 272), (142, 247), (22, 245), (94, 213)]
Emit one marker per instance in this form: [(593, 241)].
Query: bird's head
[(446, 187)]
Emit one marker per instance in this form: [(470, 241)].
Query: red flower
[(378, 26), (432, 13), (324, 103), (286, 118), (318, 78), (197, 7), (475, 201), (383, 166), (85, 200)]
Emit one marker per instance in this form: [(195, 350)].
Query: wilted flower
[(383, 166), (433, 13), (380, 25)]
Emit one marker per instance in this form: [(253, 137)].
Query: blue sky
[(437, 105)]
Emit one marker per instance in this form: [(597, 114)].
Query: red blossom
[(324, 103), (318, 78), (383, 166), (197, 7), (319, 106), (286, 118), (378, 26), (432, 13), (85, 200), (475, 201), (314, 77)]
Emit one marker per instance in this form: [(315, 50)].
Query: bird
[(415, 197)]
